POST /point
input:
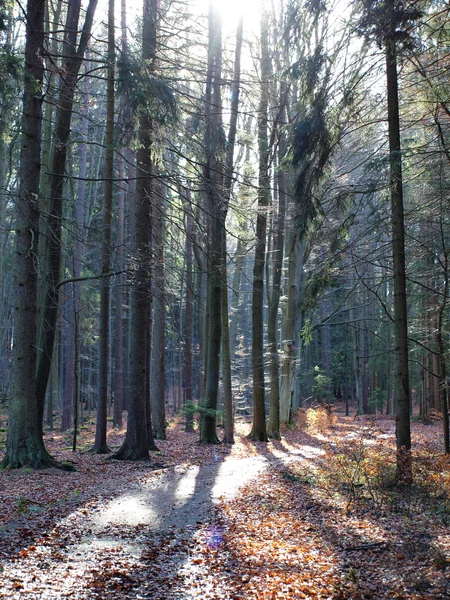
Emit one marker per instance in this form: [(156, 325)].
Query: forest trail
[(176, 499), (251, 521)]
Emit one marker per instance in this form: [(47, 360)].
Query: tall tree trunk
[(213, 177), (228, 185), (158, 355), (403, 425), (258, 431), (226, 360), (277, 268), (100, 445), (189, 319), (443, 383), (51, 255), (24, 444), (118, 384), (139, 439)]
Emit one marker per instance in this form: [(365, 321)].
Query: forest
[(224, 263)]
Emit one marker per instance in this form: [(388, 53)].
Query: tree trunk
[(118, 312), (258, 431), (158, 370), (24, 444), (277, 268), (228, 185), (295, 265), (403, 425), (213, 177), (51, 254), (189, 319), (100, 445), (443, 383), (118, 384), (139, 439)]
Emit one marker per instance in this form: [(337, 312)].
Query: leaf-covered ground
[(318, 516)]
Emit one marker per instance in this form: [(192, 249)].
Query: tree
[(100, 445), (389, 23), (258, 431), (228, 185), (25, 445), (139, 436), (213, 181), (50, 254)]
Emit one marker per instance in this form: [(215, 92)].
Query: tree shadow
[(160, 515), (319, 549)]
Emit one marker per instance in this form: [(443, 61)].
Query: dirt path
[(254, 521), (106, 549), (177, 499)]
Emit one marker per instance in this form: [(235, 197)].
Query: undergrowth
[(362, 472)]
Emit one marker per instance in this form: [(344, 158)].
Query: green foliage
[(191, 407), (388, 20), (210, 412), (321, 387), (143, 93), (5, 8), (307, 332), (22, 505), (311, 149), (10, 81), (317, 284), (378, 399)]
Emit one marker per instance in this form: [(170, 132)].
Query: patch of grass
[(302, 478), (22, 505)]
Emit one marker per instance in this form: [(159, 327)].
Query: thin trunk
[(118, 313), (51, 255), (118, 383), (258, 431), (403, 425), (228, 185), (189, 320), (100, 445), (277, 268), (158, 370)]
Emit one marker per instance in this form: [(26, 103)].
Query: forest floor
[(315, 515)]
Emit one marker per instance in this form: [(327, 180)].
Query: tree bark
[(189, 319), (277, 268), (24, 442), (158, 355), (51, 255), (258, 431), (228, 185), (213, 179), (403, 426), (138, 438), (100, 444)]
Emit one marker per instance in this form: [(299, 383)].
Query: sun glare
[(232, 10)]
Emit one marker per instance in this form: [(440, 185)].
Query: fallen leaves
[(294, 532)]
